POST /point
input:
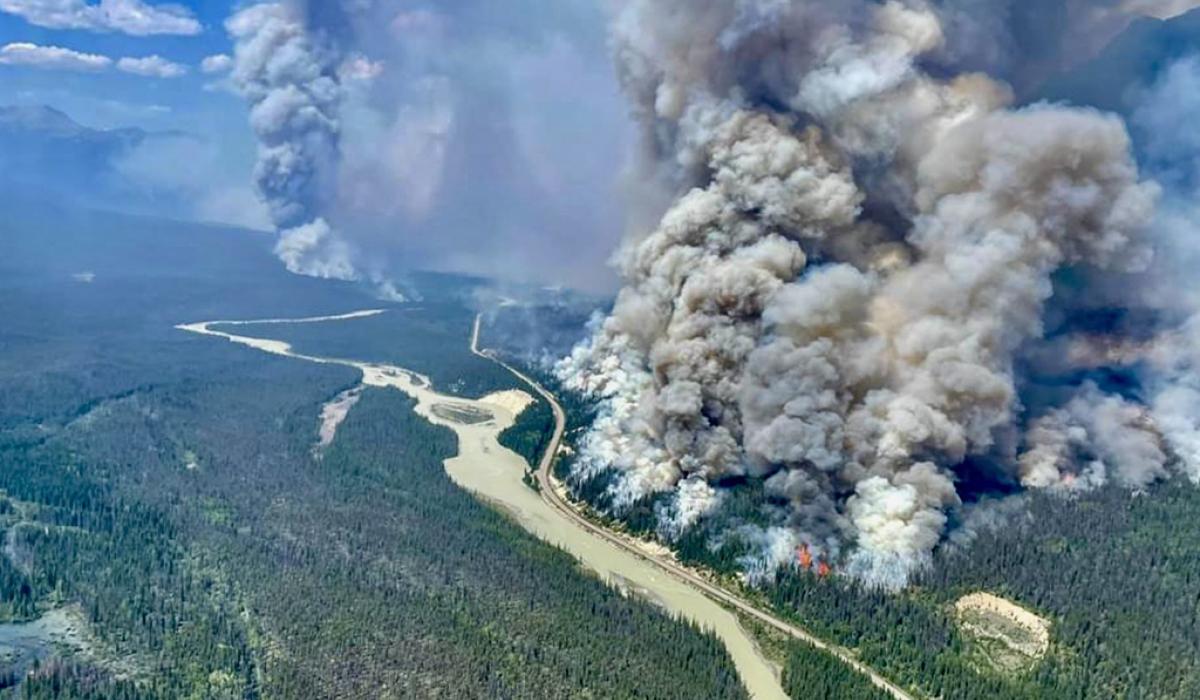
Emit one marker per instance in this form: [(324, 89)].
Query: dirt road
[(554, 494)]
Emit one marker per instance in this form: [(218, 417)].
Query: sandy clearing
[(513, 401), (1037, 628), (334, 413)]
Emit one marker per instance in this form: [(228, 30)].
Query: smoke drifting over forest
[(851, 282)]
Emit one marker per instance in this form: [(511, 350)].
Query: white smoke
[(857, 252), (1174, 377), (313, 249), (1092, 438), (769, 549), (694, 499), (898, 521), (1172, 370)]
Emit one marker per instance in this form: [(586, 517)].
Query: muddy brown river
[(493, 473)]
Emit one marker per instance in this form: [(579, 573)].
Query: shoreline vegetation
[(483, 467)]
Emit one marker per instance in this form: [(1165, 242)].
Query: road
[(553, 494)]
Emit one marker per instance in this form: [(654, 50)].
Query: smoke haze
[(399, 134)]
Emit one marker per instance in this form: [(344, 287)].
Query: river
[(493, 473)]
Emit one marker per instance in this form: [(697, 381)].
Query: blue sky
[(217, 168), (111, 98)]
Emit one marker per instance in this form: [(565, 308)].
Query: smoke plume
[(289, 77), (864, 235)]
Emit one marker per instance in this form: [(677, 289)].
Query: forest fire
[(804, 558), (805, 561)]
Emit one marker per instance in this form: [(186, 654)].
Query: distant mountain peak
[(38, 118), (1132, 59)]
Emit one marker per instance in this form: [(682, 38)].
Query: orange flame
[(804, 557), (822, 569)]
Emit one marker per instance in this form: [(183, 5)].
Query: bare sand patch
[(513, 401), (334, 413), (1011, 637)]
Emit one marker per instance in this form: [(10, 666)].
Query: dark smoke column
[(289, 75)]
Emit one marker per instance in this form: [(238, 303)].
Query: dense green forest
[(530, 435), (463, 602), (812, 674), (165, 484), (809, 673), (1119, 578)]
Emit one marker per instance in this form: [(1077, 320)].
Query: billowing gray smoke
[(856, 253), (290, 78)]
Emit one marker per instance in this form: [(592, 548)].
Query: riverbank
[(494, 473)]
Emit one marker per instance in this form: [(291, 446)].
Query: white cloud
[(128, 16), (58, 58), (1162, 9), (359, 67), (52, 57), (151, 67), (218, 63)]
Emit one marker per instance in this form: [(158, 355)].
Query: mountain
[(39, 143), (42, 121), (1134, 59), (46, 154)]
